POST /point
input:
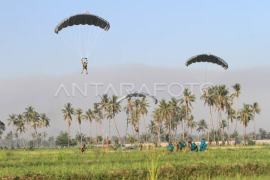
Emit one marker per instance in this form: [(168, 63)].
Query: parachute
[(138, 95), (82, 32), (206, 67)]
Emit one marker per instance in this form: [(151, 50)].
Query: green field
[(217, 163)]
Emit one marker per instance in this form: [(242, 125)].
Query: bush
[(251, 143), (31, 148)]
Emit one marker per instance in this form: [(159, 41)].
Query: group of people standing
[(192, 146)]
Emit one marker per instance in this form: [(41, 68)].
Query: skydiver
[(84, 65)]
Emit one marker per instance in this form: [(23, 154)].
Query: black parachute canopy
[(83, 19), (207, 58), (138, 94)]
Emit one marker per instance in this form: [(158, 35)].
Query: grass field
[(217, 163)]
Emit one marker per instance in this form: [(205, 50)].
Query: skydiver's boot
[(86, 71)]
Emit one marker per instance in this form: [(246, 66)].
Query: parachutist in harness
[(84, 65), (83, 148)]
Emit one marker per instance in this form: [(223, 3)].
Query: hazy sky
[(148, 42)]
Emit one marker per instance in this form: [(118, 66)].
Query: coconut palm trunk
[(126, 133), (80, 132), (117, 132), (103, 128), (41, 137), (159, 135), (96, 134), (109, 128), (27, 133), (254, 127), (145, 128), (209, 124), (236, 120)]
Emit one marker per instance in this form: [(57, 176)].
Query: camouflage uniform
[(154, 147), (177, 146), (140, 146), (147, 147)]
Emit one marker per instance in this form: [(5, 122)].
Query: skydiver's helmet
[(137, 129)]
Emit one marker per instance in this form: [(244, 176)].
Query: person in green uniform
[(170, 147), (182, 144), (194, 147)]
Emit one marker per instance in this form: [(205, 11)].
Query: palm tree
[(128, 109), (96, 112), (68, 111), (223, 125), (152, 128), (175, 110), (202, 126), (136, 115), (89, 115), (143, 111), (44, 121), (28, 117), (166, 111), (104, 106), (245, 115), (221, 99), (209, 100), (35, 124), (20, 126), (115, 109), (192, 124), (236, 93), (188, 99), (9, 136), (231, 116), (183, 111), (80, 116), (256, 109), (2, 128), (12, 120)]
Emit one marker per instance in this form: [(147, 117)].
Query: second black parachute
[(206, 67), (207, 58)]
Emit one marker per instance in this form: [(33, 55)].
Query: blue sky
[(156, 33)]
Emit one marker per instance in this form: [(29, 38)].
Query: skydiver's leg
[(82, 70), (86, 71)]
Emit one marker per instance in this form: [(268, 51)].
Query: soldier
[(194, 147), (147, 147), (170, 147), (83, 148), (189, 146), (140, 146), (177, 146), (182, 144), (84, 65), (154, 147), (203, 145)]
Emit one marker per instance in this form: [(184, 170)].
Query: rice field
[(248, 162)]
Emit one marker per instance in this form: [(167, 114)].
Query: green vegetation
[(216, 163)]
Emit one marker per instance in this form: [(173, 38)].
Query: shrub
[(250, 142)]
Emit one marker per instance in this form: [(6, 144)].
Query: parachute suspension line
[(216, 71), (91, 43), (212, 72), (218, 74), (97, 42)]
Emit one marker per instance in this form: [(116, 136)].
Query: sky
[(148, 42)]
